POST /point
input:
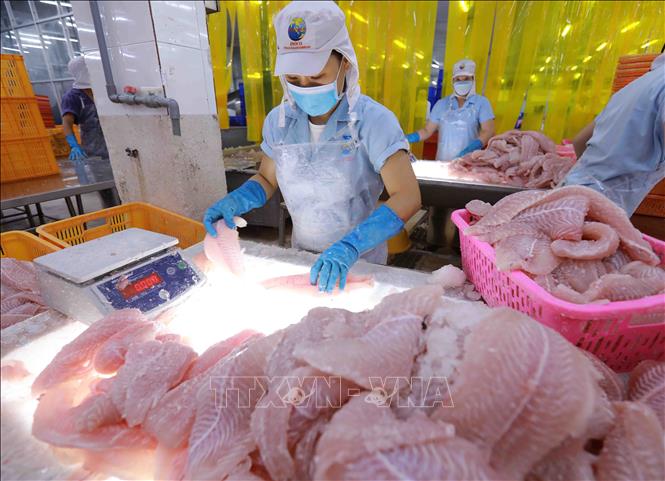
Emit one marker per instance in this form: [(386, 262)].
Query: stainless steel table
[(441, 188), (91, 175)]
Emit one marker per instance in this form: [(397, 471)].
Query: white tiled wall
[(176, 23), (151, 43)]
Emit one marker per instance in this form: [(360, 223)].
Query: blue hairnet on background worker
[(621, 153), (78, 107), (464, 119), (329, 149)]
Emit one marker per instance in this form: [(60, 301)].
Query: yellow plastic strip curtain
[(394, 43), (221, 63), (256, 35), (561, 56)]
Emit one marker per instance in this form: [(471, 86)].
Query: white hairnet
[(79, 71), (322, 29)]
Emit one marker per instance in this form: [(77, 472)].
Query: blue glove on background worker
[(248, 196), (77, 152), (475, 144), (413, 137), (334, 263)]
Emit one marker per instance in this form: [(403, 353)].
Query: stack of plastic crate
[(25, 146)]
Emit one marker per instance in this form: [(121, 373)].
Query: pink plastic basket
[(619, 333)]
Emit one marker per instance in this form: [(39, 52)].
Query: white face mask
[(463, 87)]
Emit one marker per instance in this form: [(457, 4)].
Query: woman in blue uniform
[(330, 150), (464, 119)]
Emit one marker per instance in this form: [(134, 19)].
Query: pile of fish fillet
[(519, 158), (424, 386), (575, 243), (19, 292)]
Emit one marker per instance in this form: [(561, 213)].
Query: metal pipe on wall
[(149, 100)]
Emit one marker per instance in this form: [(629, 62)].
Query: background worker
[(329, 149), (78, 107), (464, 119)]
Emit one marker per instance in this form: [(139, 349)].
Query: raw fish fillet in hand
[(224, 250)]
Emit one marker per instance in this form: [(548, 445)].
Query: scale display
[(150, 285)]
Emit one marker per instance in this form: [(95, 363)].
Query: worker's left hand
[(333, 265), (475, 144)]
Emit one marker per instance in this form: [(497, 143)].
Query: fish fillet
[(220, 350), (150, 370), (385, 352), (549, 381), (559, 219), (221, 436), (640, 270), (478, 208), (13, 370), (568, 462), (293, 405), (601, 209), (300, 283), (111, 354), (95, 411), (75, 358), (365, 441), (622, 287), (224, 250), (647, 385), (55, 423), (634, 448), (599, 241), (610, 382), (526, 252), (170, 421)]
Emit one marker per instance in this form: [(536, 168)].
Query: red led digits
[(140, 285)]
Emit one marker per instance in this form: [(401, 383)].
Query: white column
[(162, 47)]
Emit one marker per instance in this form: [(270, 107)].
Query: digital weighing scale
[(134, 268)]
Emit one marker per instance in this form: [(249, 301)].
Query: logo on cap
[(297, 28)]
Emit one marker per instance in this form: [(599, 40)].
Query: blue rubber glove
[(77, 152), (334, 263), (248, 196), (475, 144), (413, 137)]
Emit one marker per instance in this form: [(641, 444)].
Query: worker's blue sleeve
[(437, 111), (71, 104), (485, 111), (380, 133)]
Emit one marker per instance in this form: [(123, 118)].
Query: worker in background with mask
[(330, 150), (78, 107), (464, 119), (621, 154)]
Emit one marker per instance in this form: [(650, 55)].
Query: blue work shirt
[(624, 158), (483, 108), (377, 127), (74, 101)]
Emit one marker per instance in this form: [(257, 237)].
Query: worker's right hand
[(77, 152), (413, 137), (248, 196)]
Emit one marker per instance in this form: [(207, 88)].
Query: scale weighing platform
[(134, 268)]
